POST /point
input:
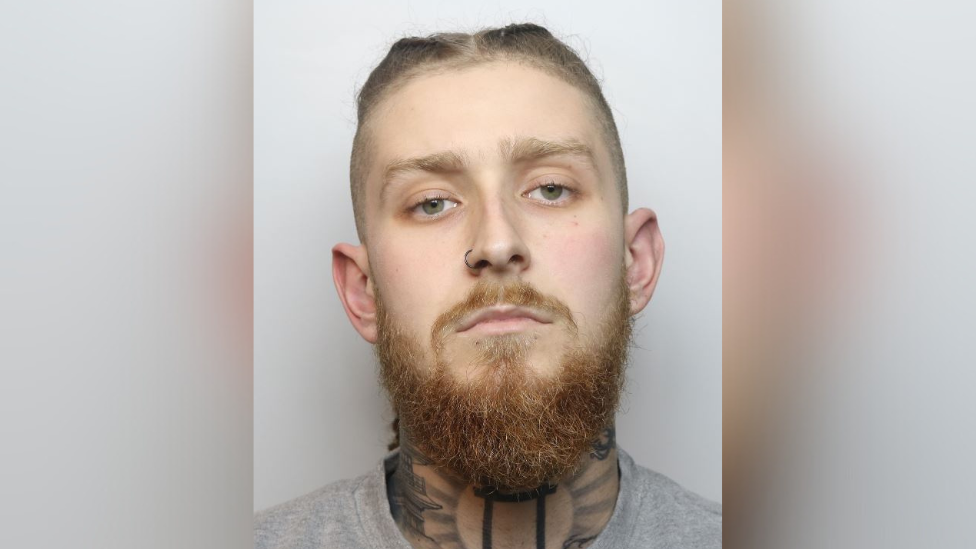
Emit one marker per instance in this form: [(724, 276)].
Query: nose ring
[(470, 266)]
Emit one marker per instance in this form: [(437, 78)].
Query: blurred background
[(126, 175), (319, 415), (847, 278)]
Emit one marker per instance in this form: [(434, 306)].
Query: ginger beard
[(507, 427)]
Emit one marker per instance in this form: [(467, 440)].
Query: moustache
[(487, 293)]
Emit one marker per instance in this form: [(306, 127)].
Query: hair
[(524, 43)]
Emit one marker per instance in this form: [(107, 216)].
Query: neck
[(434, 510)]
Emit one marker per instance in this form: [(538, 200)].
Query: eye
[(430, 207), (551, 192)]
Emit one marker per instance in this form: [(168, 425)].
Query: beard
[(508, 428)]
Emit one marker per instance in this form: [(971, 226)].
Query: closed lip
[(502, 312)]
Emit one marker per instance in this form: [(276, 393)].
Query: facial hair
[(509, 428)]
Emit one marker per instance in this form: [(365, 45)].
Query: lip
[(503, 317)]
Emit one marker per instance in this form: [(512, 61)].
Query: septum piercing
[(466, 258)]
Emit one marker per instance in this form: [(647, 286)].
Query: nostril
[(497, 257)]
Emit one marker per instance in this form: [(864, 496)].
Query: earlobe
[(645, 254), (350, 272)]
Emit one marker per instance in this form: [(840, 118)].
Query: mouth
[(502, 319)]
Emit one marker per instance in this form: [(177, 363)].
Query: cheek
[(588, 252), (584, 266), (412, 281)]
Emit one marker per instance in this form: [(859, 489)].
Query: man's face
[(494, 186), (521, 349)]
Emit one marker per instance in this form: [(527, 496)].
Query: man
[(497, 275)]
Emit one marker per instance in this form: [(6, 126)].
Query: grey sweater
[(652, 512)]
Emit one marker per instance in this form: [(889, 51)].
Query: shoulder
[(327, 517), (670, 513)]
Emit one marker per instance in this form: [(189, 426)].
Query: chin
[(499, 356)]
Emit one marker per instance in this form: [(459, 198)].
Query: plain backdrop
[(319, 414)]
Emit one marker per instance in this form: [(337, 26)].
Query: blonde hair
[(525, 43)]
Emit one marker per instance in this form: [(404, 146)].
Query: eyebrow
[(518, 150), (439, 162), (530, 148)]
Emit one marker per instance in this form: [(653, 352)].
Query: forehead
[(475, 108)]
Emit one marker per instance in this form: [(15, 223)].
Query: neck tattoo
[(434, 510)]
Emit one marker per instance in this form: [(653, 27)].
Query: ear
[(645, 253), (350, 272)]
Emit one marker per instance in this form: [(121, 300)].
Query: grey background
[(319, 414), (125, 274)]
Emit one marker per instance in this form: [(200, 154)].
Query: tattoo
[(581, 492), (491, 495), (425, 503), (606, 442), (595, 508), (410, 498), (486, 525), (592, 505), (540, 523), (578, 540)]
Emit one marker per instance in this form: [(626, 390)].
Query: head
[(498, 270)]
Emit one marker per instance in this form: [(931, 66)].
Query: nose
[(498, 245)]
